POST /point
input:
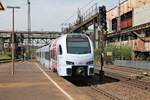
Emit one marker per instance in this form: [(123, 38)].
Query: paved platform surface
[(30, 83)]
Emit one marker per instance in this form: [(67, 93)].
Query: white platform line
[(50, 79)]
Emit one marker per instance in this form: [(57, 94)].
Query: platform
[(34, 82)]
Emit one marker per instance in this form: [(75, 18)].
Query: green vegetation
[(97, 55), (5, 56), (117, 53)]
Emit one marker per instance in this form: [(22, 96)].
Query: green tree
[(97, 55), (123, 52)]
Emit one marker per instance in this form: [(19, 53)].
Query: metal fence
[(90, 12), (135, 64)]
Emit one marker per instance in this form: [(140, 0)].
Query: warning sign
[(1, 6)]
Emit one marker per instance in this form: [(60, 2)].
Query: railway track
[(132, 83), (96, 91), (111, 96), (91, 89), (139, 84), (125, 82), (129, 70), (101, 91), (129, 80), (123, 69)]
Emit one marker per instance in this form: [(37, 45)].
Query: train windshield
[(78, 44)]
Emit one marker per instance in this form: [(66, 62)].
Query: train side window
[(52, 54), (60, 50), (47, 55)]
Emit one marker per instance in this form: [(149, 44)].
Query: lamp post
[(29, 29), (13, 33)]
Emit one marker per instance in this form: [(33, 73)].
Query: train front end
[(79, 57)]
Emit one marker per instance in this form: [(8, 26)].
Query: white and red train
[(68, 55)]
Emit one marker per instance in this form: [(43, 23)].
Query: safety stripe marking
[(50, 79)]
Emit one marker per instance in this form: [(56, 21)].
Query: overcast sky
[(46, 15)]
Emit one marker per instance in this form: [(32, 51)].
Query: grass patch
[(5, 56)]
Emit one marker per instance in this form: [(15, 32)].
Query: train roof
[(64, 36)]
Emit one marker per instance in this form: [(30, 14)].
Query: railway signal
[(102, 29), (102, 19)]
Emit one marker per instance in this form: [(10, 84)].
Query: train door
[(59, 58)]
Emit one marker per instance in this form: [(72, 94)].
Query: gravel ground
[(125, 91), (130, 72), (94, 94), (119, 89)]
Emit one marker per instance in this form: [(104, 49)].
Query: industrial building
[(129, 24)]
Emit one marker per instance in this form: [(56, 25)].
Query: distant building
[(132, 28)]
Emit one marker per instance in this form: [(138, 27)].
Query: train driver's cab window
[(60, 50), (78, 44)]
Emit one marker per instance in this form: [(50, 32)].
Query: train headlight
[(90, 63), (69, 63)]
